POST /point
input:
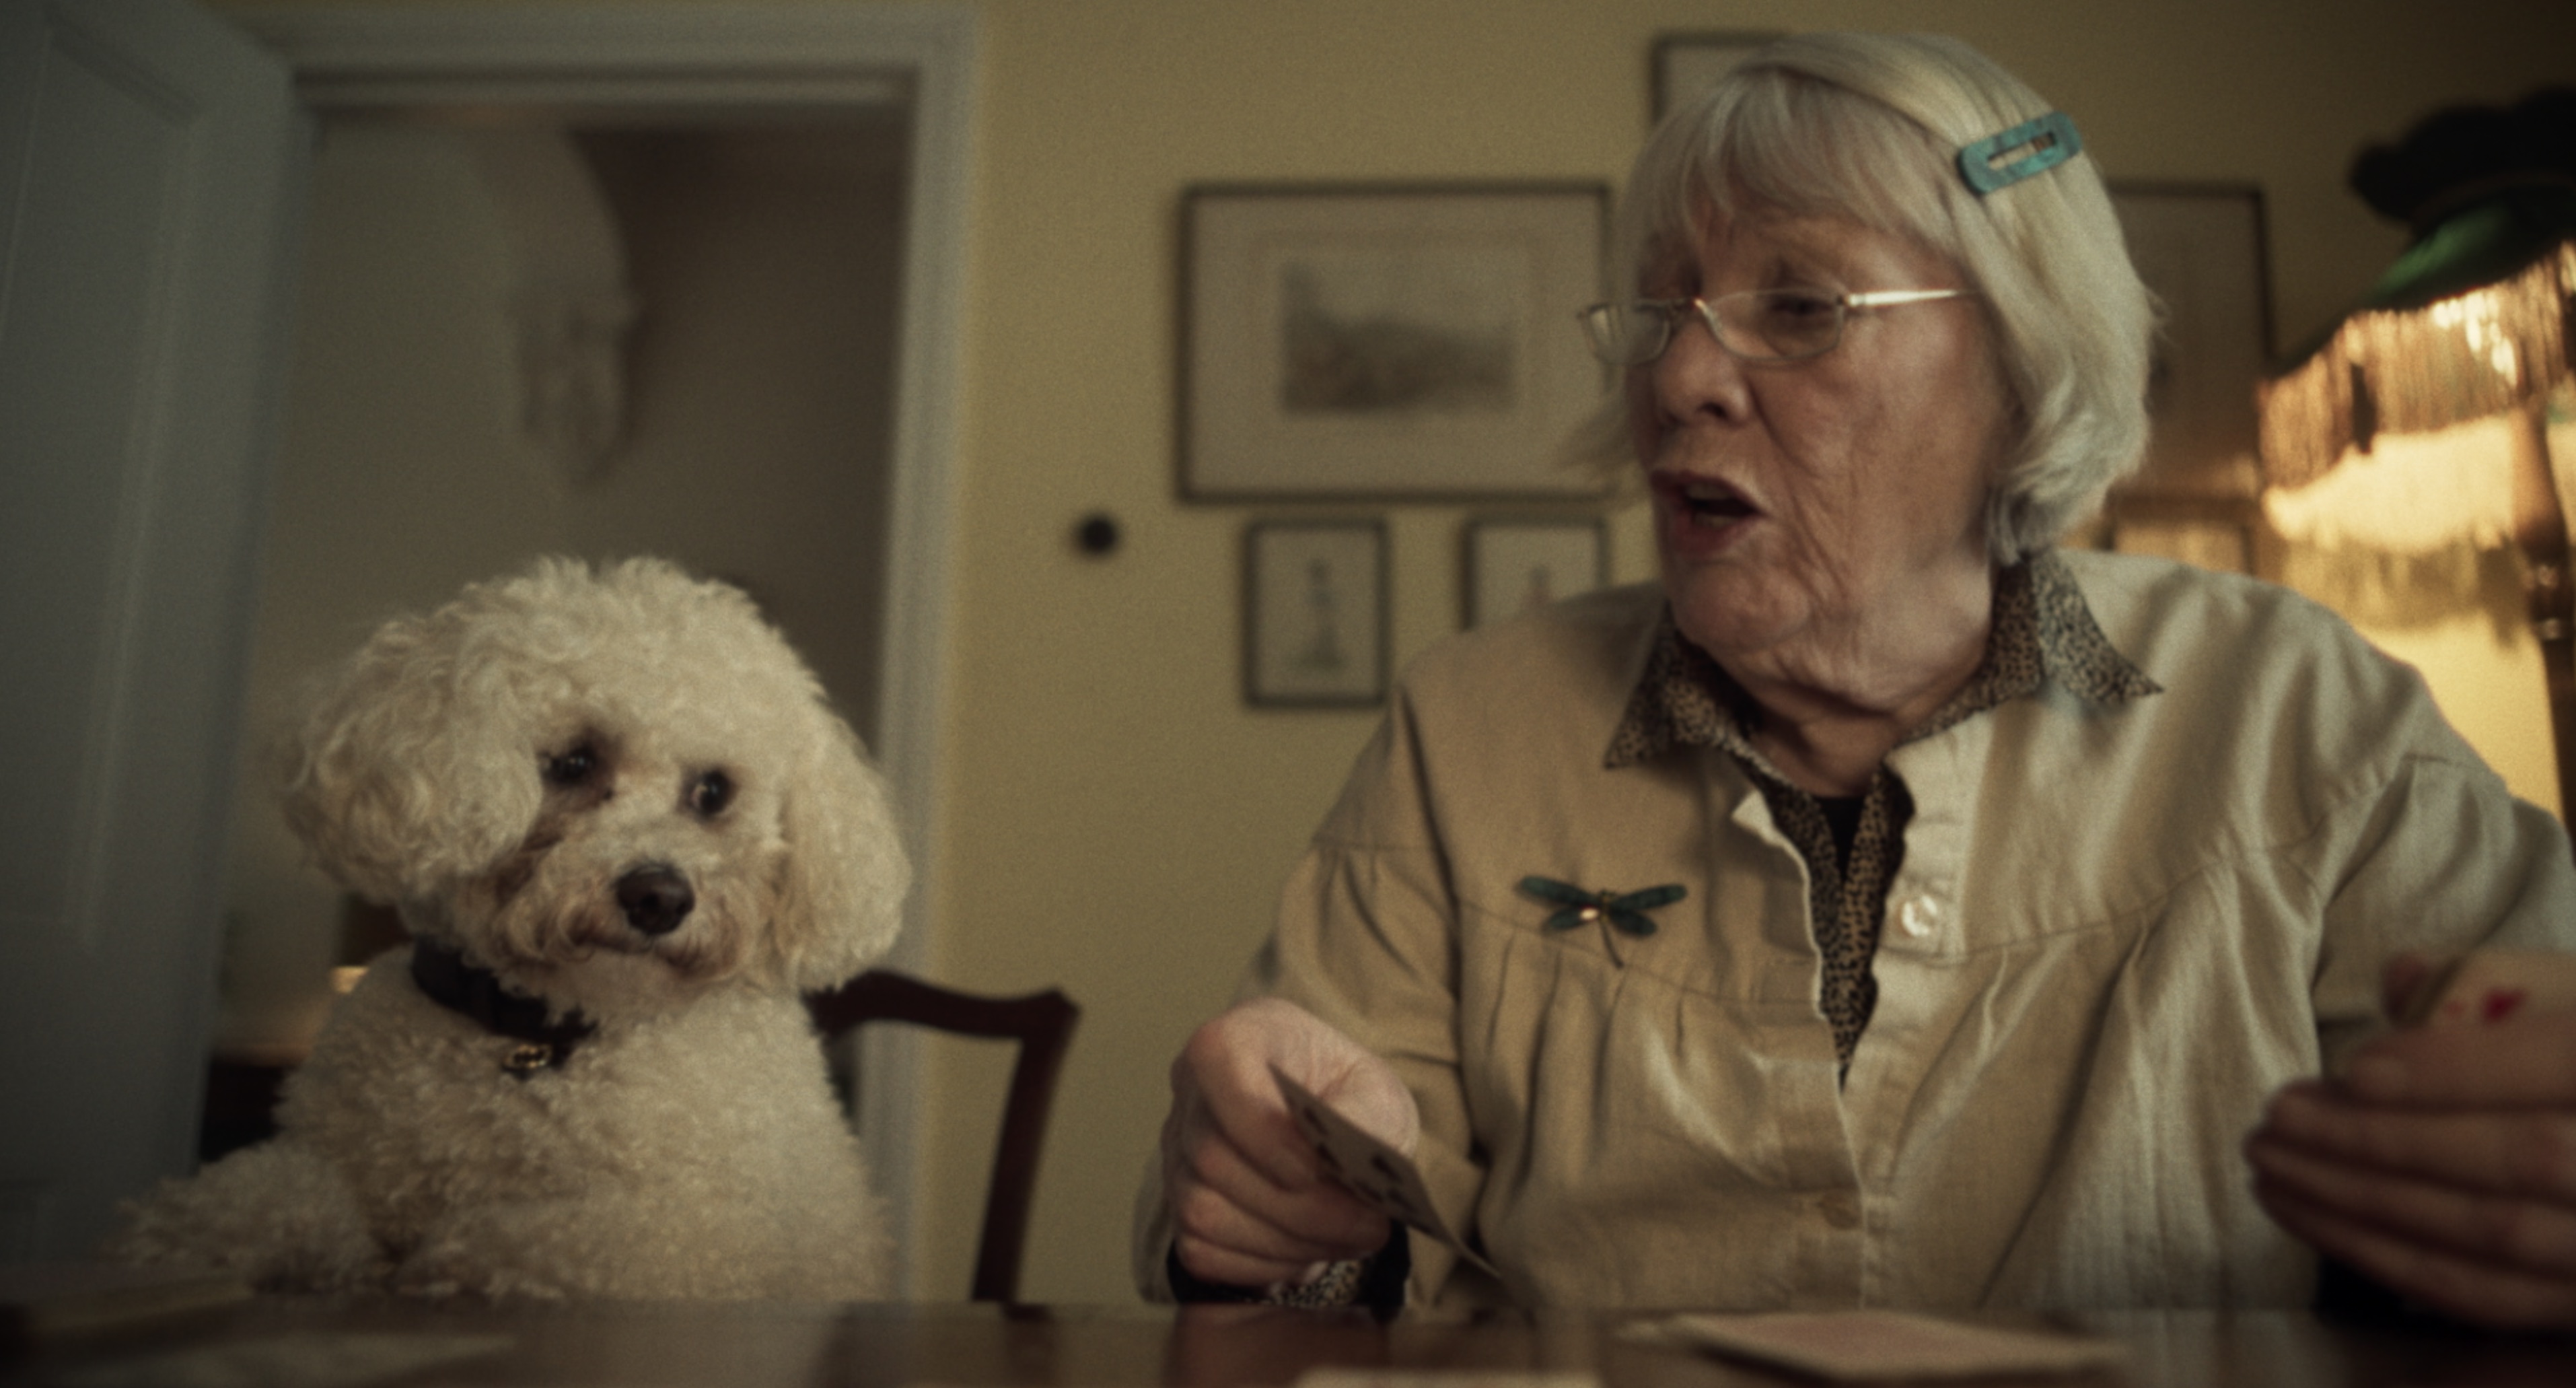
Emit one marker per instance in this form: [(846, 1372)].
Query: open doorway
[(747, 402), (805, 455)]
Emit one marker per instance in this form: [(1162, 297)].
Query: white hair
[(1868, 128)]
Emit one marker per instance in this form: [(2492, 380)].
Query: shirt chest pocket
[(1587, 1033)]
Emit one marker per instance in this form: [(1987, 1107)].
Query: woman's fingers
[(1223, 1076), (2500, 1227), (2398, 982), (2469, 1287), (1230, 1063), (2514, 1152), (2526, 1062), (1250, 1204), (2442, 1167), (1230, 1225), (1219, 1196)]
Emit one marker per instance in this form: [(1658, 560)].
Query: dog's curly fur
[(506, 770)]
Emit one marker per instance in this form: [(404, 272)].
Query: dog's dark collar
[(476, 992)]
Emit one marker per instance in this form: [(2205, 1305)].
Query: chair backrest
[(1043, 1025)]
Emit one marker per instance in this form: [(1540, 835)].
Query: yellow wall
[(1117, 822)]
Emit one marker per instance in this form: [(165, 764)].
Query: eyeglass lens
[(1757, 325)]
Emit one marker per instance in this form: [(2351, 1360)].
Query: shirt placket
[(1819, 1199)]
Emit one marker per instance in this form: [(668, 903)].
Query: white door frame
[(149, 161), (735, 58)]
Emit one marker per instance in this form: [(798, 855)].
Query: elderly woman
[(1888, 908)]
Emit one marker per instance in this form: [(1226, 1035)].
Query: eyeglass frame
[(1669, 311)]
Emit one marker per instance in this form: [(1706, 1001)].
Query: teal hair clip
[(2032, 147), (1625, 911)]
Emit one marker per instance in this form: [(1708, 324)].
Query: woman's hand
[(2442, 1165), (1249, 1204)]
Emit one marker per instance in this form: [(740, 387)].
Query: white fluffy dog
[(626, 833)]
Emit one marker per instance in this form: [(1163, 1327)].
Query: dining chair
[(1042, 1023)]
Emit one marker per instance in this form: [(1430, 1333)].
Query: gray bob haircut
[(1867, 128)]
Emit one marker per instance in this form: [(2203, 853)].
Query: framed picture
[(1314, 613), (2199, 247), (1387, 343), (1511, 564), (1684, 64)]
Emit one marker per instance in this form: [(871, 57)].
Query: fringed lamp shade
[(2475, 322)]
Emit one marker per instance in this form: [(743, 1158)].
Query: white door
[(149, 159)]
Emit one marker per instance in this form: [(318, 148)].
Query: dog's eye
[(570, 768), (710, 793)]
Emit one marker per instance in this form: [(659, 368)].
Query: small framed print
[(1401, 342), (1685, 64), (1314, 613), (1512, 564)]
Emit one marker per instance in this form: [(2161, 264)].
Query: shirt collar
[(2041, 632)]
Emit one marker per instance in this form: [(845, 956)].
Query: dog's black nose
[(655, 899)]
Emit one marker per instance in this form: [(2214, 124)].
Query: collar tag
[(476, 993)]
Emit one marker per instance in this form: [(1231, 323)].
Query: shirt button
[(1920, 916), (1840, 1208)]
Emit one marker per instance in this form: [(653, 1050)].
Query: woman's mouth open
[(1699, 506)]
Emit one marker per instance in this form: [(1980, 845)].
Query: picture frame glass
[(1315, 613), (1515, 567), (1389, 344)]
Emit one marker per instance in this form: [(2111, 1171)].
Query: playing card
[(1382, 1177), (1885, 1344), (2486, 986)]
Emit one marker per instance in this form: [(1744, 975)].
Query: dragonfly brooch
[(1626, 912)]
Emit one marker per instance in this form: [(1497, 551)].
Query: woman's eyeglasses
[(1757, 325)]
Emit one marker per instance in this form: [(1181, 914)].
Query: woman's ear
[(400, 782), (846, 875)]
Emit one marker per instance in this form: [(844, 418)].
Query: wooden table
[(319, 1343)]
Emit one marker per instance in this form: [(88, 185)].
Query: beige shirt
[(2039, 631), (2116, 928)]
